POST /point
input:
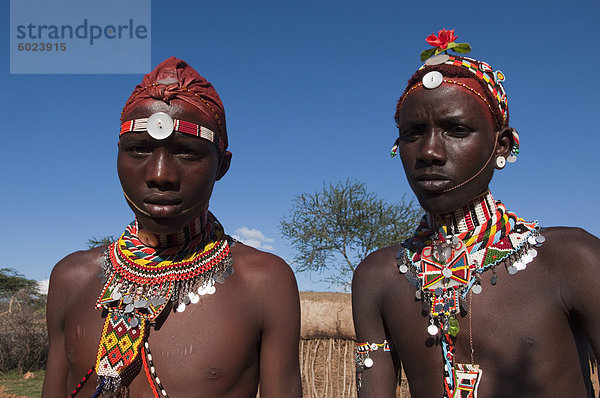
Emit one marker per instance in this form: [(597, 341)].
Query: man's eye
[(187, 153), (190, 154), (459, 131), (410, 135), (139, 150)]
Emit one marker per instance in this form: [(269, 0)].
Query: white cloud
[(253, 237), (43, 286)]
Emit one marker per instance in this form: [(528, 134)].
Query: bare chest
[(211, 347), (517, 331)]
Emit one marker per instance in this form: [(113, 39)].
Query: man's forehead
[(446, 101)]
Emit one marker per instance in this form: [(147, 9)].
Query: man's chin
[(166, 219), (438, 203)]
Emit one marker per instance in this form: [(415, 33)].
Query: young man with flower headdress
[(478, 302), (175, 307)]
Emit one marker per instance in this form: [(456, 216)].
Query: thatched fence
[(327, 347)]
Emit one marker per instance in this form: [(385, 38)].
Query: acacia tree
[(23, 337), (334, 229), (12, 282), (101, 241), (16, 289)]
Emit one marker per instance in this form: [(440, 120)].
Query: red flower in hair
[(442, 40)]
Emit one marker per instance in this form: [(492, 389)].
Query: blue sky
[(309, 90)]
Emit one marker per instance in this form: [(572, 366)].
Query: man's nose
[(161, 170), (433, 148)]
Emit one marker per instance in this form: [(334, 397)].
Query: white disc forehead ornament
[(160, 126), (438, 59), (432, 79)]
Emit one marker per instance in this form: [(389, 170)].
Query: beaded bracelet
[(362, 359)]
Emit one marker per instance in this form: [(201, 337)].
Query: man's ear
[(505, 142), (224, 164)]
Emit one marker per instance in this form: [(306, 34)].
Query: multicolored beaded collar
[(445, 259), (141, 281)]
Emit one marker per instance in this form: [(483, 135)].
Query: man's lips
[(162, 199), (431, 182), (162, 205)]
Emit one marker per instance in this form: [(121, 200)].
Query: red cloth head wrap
[(175, 79)]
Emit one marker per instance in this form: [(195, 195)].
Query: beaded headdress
[(174, 79), (440, 68)]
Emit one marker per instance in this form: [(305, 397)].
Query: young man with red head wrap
[(175, 306), (478, 302)]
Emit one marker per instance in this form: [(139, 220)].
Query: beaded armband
[(363, 360)]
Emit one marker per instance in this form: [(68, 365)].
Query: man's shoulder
[(567, 249), (378, 270), (570, 234), (259, 266), (378, 262), (80, 265), (569, 241), (265, 280), (73, 279)]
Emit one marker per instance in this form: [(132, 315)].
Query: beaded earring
[(515, 148)]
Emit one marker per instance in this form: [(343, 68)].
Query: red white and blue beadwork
[(160, 126)]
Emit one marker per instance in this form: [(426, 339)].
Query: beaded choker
[(445, 259), (140, 281)]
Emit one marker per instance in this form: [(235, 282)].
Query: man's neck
[(471, 216), (179, 238)]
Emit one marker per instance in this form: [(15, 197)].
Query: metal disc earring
[(500, 162)]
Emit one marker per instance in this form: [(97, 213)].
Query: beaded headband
[(435, 79), (160, 126), (214, 113), (481, 70)]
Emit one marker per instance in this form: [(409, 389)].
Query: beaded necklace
[(141, 280), (445, 259)]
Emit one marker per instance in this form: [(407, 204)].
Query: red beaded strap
[(183, 126), (82, 382)]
